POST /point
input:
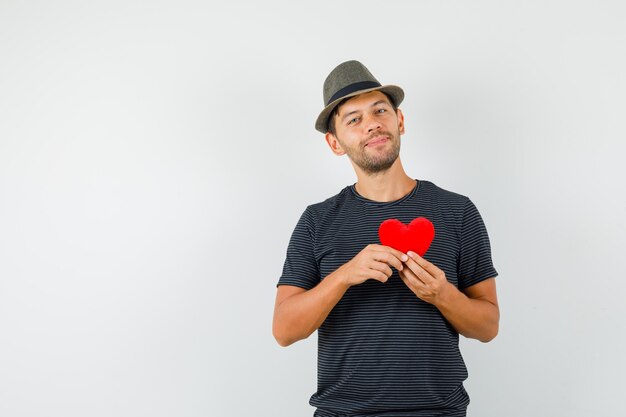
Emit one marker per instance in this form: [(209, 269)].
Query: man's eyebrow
[(379, 102), (357, 111), (349, 113)]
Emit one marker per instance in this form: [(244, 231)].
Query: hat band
[(361, 85)]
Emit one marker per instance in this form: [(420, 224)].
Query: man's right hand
[(299, 312), (373, 262)]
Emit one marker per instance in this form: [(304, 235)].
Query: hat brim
[(395, 92)]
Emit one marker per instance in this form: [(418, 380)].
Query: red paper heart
[(417, 236)]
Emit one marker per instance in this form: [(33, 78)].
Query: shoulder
[(441, 195), (453, 208), (318, 211)]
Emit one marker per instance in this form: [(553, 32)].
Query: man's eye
[(353, 120), (381, 110)]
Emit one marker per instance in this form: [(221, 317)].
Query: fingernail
[(411, 253), (405, 258)]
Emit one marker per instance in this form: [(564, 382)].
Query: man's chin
[(377, 168)]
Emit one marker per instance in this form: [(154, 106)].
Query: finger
[(399, 255), (378, 275), (389, 258), (395, 257), (402, 257), (382, 267), (427, 266), (411, 281), (413, 277), (418, 271), (404, 278)]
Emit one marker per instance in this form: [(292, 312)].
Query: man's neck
[(390, 185)]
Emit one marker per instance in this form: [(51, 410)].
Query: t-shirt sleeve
[(301, 268), (475, 263)]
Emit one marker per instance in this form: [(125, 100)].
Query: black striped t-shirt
[(382, 351)]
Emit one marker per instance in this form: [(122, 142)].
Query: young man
[(388, 322)]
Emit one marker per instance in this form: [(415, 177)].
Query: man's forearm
[(472, 317), (299, 315)]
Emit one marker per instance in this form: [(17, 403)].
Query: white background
[(156, 155)]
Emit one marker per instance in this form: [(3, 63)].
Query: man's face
[(368, 130)]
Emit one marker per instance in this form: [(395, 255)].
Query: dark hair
[(331, 118)]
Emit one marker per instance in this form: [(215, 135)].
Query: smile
[(378, 141)]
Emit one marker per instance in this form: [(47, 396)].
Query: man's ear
[(400, 121), (334, 144)]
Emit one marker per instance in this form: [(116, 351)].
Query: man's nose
[(371, 123)]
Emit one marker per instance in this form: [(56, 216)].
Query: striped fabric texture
[(382, 351)]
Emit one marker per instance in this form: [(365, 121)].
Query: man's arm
[(473, 312), (299, 312)]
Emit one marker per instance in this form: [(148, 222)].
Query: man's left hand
[(427, 281)]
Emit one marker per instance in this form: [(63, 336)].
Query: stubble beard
[(373, 162)]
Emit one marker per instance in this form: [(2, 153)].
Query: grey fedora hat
[(349, 79)]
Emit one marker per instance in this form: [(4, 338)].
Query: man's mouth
[(377, 140)]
